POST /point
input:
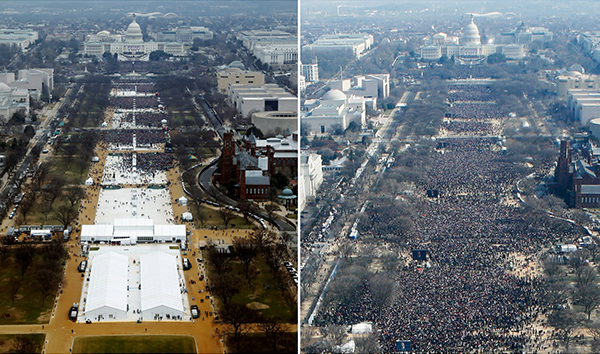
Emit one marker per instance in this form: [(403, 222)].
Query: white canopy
[(89, 181), (160, 286), (183, 201), (187, 216), (107, 293), (363, 327), (95, 159)]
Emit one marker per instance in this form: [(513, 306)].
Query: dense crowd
[(469, 128), (134, 102), (485, 110), (131, 138), (470, 93), (468, 298), (146, 118)]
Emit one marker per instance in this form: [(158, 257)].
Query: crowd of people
[(129, 139), (469, 127), (477, 93), (477, 110), (468, 297), (140, 102), (145, 118), (134, 85)]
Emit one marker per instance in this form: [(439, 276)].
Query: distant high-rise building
[(311, 71)]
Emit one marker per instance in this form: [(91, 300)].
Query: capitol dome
[(134, 32), (471, 34), (4, 88), (334, 95)]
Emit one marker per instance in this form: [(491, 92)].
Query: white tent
[(363, 327), (183, 201), (92, 233), (107, 292), (187, 216), (95, 159), (347, 348), (161, 294), (89, 181)]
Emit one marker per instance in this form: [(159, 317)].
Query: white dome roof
[(334, 95), (4, 88), (134, 32), (471, 33)]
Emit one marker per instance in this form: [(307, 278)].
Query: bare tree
[(225, 287), (238, 318), (46, 281), (565, 323), (74, 195), (24, 257), (271, 208), (335, 333), (262, 237), (275, 255), (54, 189), (66, 215), (246, 208), (246, 251), (4, 252), (588, 296), (226, 215), (274, 330), (24, 344), (382, 289), (15, 286), (219, 260), (26, 206)]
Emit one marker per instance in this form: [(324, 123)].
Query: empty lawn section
[(134, 344)]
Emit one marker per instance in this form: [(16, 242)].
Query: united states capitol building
[(130, 46), (467, 48)]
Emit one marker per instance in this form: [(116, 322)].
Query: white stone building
[(333, 110), (353, 44), (12, 100), (311, 172), (130, 47), (467, 48), (248, 99)]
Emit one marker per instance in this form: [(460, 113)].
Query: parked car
[(195, 311)]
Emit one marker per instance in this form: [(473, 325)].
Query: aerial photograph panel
[(148, 177), (449, 189)]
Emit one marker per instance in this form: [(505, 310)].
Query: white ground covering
[(128, 174), (106, 297), (134, 253), (134, 203), (161, 289), (117, 119)]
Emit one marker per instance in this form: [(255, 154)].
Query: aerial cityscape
[(299, 176), (148, 161), (449, 177)]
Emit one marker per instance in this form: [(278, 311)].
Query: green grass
[(27, 306), (70, 170), (213, 219), (6, 342), (258, 343), (257, 293), (134, 344)]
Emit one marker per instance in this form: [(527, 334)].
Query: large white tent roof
[(160, 281), (177, 231), (108, 282), (96, 231)]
